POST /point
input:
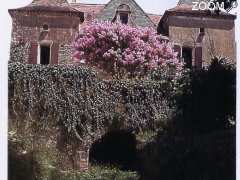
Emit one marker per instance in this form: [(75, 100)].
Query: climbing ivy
[(85, 105)]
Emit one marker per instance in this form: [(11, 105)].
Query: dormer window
[(122, 14), (124, 18), (45, 27)]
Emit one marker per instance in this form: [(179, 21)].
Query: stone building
[(43, 31), (199, 35)]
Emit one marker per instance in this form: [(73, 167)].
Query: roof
[(88, 8), (186, 9), (48, 5), (97, 8), (190, 2), (155, 18)]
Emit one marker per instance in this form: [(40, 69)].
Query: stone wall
[(219, 42), (65, 54), (28, 29), (218, 38)]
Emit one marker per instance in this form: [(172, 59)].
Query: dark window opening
[(122, 14), (187, 56), (45, 55), (202, 30), (177, 49), (45, 27), (163, 30), (116, 148), (124, 18)]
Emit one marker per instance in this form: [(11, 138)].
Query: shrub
[(206, 99), (209, 157), (124, 50), (84, 105)]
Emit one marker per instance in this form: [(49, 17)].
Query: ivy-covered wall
[(84, 106)]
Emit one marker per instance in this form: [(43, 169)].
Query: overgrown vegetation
[(194, 117), (206, 100), (84, 105), (200, 141), (40, 164)]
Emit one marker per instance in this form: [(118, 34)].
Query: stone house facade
[(43, 31), (199, 35)]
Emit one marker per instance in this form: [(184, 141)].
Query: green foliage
[(199, 142), (19, 51), (209, 157), (206, 100), (83, 104), (42, 164), (146, 136), (100, 173)]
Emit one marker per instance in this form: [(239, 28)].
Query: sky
[(150, 6)]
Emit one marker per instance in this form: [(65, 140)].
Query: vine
[(85, 105)]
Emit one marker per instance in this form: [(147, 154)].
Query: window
[(45, 27), (187, 56), (122, 14), (202, 30), (124, 18), (45, 55)]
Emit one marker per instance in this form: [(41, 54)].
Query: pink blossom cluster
[(114, 46)]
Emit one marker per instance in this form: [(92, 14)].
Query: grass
[(94, 173)]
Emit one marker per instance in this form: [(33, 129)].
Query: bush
[(206, 100), (84, 105), (42, 163), (123, 50), (97, 173), (208, 157)]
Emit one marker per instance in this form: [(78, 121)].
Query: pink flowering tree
[(123, 50)]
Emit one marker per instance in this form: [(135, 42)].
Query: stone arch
[(124, 8), (116, 147)]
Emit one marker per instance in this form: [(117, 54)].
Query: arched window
[(45, 27), (122, 14)]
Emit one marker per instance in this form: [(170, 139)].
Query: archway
[(116, 148)]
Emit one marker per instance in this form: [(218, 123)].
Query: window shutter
[(33, 53), (54, 53)]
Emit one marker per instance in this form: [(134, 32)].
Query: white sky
[(150, 6)]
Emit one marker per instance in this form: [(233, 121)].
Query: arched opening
[(122, 14), (117, 148)]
